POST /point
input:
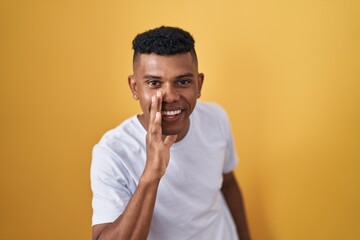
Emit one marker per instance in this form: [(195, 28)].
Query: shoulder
[(210, 111), (114, 153), (210, 108), (125, 139), (128, 132), (210, 115)]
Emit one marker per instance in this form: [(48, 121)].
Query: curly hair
[(164, 40)]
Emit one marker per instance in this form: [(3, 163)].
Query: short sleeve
[(231, 158), (110, 184)]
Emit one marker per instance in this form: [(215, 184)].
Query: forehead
[(157, 65)]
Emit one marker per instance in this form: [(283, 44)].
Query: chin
[(170, 132), (175, 128)]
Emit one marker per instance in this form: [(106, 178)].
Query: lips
[(170, 116)]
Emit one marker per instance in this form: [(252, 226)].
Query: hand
[(157, 145)]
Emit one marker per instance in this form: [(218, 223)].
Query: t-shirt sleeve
[(231, 158), (110, 186)]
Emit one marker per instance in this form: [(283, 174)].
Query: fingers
[(156, 104), (152, 110), (155, 121), (159, 97), (169, 140), (155, 116)]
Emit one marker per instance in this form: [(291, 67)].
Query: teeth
[(171, 113)]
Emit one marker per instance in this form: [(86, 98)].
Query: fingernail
[(153, 99), (158, 93)]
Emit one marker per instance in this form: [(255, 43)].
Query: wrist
[(148, 179)]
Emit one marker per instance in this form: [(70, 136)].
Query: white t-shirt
[(189, 203)]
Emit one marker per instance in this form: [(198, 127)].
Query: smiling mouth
[(171, 115)]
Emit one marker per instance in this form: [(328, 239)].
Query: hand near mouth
[(157, 145)]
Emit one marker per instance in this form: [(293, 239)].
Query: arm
[(134, 222), (233, 198)]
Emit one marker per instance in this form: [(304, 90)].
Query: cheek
[(191, 96), (145, 101)]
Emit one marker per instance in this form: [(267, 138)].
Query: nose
[(170, 94)]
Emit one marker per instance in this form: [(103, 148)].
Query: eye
[(153, 83), (183, 82)]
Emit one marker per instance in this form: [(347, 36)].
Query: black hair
[(164, 41)]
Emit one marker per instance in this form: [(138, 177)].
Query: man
[(167, 172)]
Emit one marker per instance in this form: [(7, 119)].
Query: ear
[(200, 81), (133, 87)]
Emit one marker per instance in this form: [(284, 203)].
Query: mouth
[(171, 115)]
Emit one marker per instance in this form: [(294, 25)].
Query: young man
[(167, 172)]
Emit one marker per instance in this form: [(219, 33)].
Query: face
[(179, 82)]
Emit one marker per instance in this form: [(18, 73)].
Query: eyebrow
[(151, 77), (186, 75)]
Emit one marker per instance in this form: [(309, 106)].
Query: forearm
[(134, 222), (234, 199)]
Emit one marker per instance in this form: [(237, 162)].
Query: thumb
[(169, 140)]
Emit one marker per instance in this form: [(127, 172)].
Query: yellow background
[(287, 72)]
